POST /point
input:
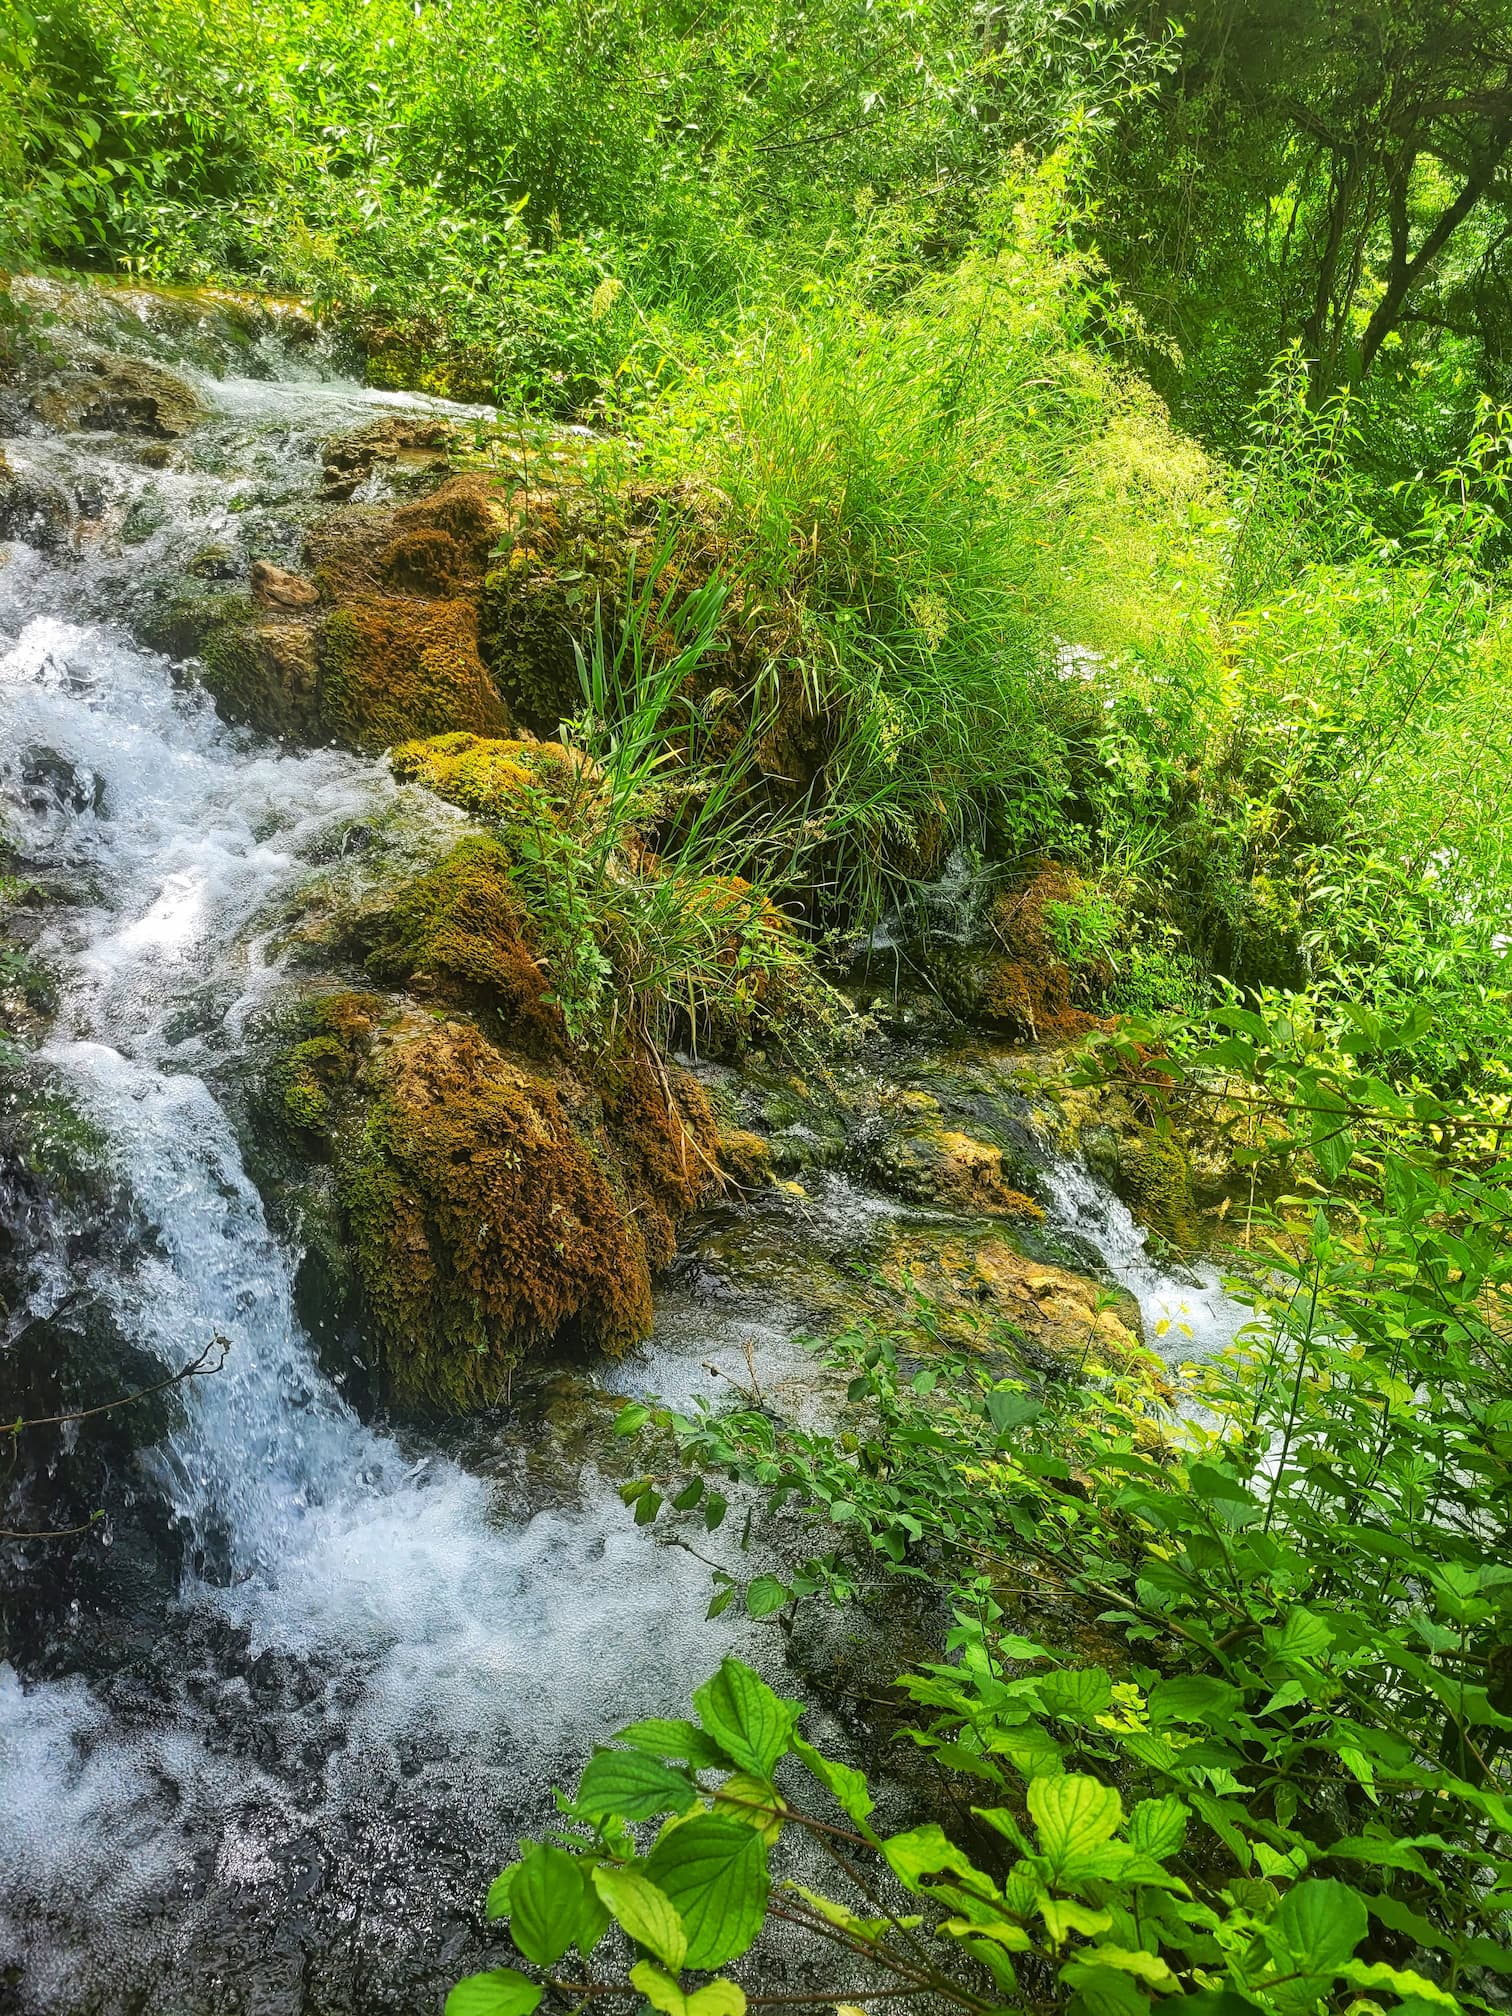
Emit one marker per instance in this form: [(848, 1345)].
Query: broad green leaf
[(715, 1998), (927, 1851), (659, 1738), (1211, 2002), (501, 1992), (1303, 1636), (632, 1786), (1157, 1827), (753, 1802), (847, 1787), (715, 1874), (1400, 1980), (748, 1721), (631, 1418), (1102, 1991), (1002, 1931), (497, 1903), (1317, 1926), (1077, 1692), (1192, 1697), (545, 1902), (1147, 1967), (1380, 1853), (1073, 1814), (1063, 1916), (766, 1595), (646, 1913)]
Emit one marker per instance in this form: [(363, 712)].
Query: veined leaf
[(846, 1786), (714, 1872), (753, 1802), (1157, 1827), (1317, 1926), (545, 1903), (632, 1786), (715, 1998), (500, 1992), (646, 1913), (1073, 1815), (748, 1721), (661, 1738)]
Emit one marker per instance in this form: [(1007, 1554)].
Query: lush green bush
[(1282, 1782)]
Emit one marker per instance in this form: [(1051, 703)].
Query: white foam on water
[(1186, 1316)]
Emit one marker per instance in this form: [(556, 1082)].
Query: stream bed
[(275, 1770)]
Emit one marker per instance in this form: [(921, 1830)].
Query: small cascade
[(280, 1784), (370, 1642), (1186, 1316)]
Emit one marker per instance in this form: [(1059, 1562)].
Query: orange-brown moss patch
[(667, 1143), (482, 1222), (1019, 981), (393, 669)]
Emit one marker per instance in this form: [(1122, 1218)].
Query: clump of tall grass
[(898, 459)]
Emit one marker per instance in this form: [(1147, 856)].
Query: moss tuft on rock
[(392, 669), (457, 934), (484, 1222)]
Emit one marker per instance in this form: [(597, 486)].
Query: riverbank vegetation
[(1077, 441)]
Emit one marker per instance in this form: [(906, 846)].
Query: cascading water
[(1184, 1319), (282, 1787), (391, 1621)]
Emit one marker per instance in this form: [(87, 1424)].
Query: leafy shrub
[(1303, 1598)]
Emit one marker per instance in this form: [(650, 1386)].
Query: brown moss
[(1019, 980), (423, 562), (393, 669), (667, 1143), (459, 933), (483, 1224)]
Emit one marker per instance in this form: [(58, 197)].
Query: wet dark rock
[(34, 509), (412, 448), (52, 782)]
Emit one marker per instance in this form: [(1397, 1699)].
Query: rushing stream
[(283, 1788)]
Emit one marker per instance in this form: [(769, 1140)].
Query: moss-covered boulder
[(377, 642), (1017, 976), (484, 1203)]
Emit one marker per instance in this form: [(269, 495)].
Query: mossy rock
[(393, 669), (121, 395), (264, 674), (1153, 1175), (463, 1205), (458, 934)]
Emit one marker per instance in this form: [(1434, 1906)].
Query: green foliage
[(1295, 1742), (1066, 1884)]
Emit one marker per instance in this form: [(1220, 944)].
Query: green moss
[(459, 932), (394, 669), (183, 626), (1154, 1177), (333, 1033)]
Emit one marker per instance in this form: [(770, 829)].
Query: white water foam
[(450, 1616), (1185, 1317)]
